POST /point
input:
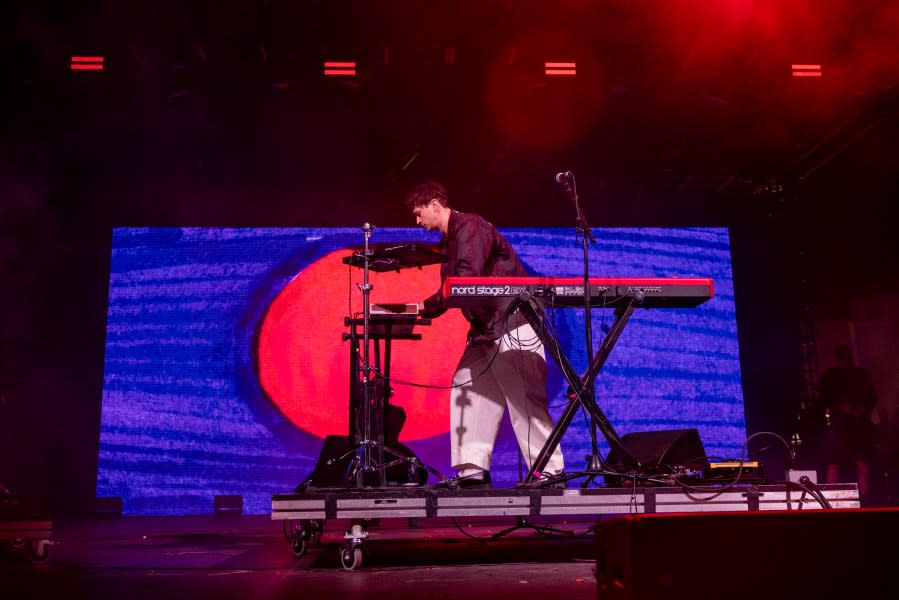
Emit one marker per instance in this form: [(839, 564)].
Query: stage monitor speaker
[(845, 553), (659, 452)]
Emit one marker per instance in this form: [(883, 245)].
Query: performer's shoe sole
[(479, 480)]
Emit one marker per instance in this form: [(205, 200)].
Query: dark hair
[(424, 192)]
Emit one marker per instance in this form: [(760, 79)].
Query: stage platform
[(304, 514), (373, 503), (31, 534)]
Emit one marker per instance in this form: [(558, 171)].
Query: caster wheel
[(298, 543), (351, 558), (318, 528), (40, 550), (312, 532)]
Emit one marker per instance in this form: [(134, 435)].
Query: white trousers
[(515, 379)]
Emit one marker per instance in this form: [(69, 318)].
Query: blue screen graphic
[(185, 417)]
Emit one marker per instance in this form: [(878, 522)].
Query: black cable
[(718, 490), (548, 327), (466, 534), (790, 451), (816, 492), (443, 387), (508, 311), (515, 342)]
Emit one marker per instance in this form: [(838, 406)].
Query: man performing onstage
[(503, 363)]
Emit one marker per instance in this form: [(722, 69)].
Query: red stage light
[(561, 68), (87, 63), (806, 70), (340, 69)]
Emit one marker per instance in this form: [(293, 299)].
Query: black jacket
[(475, 248)]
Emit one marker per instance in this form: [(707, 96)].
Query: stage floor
[(460, 555), (248, 557)]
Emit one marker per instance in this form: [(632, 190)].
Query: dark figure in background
[(847, 392), (503, 365)]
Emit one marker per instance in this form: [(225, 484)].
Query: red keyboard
[(657, 292)]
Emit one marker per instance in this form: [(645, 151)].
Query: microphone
[(564, 177), (367, 227)]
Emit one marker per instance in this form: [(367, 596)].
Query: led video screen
[(227, 363)]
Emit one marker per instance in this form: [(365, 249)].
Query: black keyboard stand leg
[(522, 523), (533, 313)]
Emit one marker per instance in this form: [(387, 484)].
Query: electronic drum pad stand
[(368, 455)]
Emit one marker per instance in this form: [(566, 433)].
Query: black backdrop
[(172, 134)]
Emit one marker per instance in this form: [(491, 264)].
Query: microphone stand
[(581, 389), (585, 233)]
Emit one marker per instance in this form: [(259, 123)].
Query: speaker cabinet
[(659, 452), (847, 553)]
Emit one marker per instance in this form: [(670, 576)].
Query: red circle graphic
[(304, 364)]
